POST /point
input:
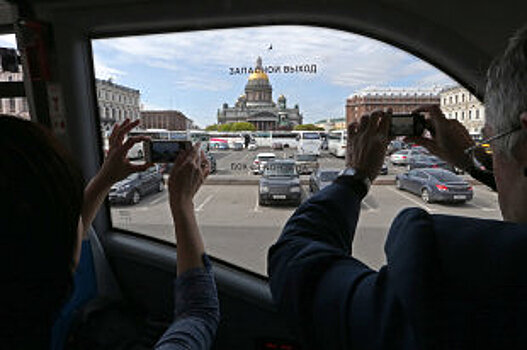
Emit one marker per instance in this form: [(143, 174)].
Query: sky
[(190, 71)]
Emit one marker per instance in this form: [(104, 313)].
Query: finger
[(131, 141), (113, 135), (384, 124), (352, 128), (126, 128), (364, 122), (374, 121)]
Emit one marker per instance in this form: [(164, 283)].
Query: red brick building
[(401, 100), (170, 120)]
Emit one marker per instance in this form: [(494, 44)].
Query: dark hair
[(42, 192)]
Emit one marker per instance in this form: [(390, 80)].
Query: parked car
[(223, 146), (394, 146), (428, 161), (237, 146), (261, 161), (400, 157), (321, 178), (252, 146), (279, 183), (306, 163), (132, 189), (384, 168), (435, 185)]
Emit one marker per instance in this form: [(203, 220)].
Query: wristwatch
[(358, 181)]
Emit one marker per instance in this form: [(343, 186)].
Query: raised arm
[(116, 167), (196, 314)]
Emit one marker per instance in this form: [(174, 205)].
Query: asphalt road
[(238, 230)]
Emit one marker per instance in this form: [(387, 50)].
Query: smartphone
[(157, 151), (413, 124)]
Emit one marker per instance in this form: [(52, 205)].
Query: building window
[(462, 115), (456, 115), (450, 99), (456, 98), (477, 113), (462, 97), (12, 105), (469, 114)]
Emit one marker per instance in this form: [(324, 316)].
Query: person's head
[(42, 192), (506, 109)]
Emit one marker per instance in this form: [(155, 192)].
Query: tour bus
[(287, 139), (225, 138), (309, 142), (337, 143), (133, 250)]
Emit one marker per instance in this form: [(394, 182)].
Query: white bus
[(309, 142), (226, 138), (337, 143), (288, 139)]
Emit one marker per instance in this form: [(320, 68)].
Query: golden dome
[(258, 75)]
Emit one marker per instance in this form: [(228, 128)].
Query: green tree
[(213, 127), (243, 126), (225, 127), (309, 127)]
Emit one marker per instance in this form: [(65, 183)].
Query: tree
[(310, 127), (213, 127), (240, 126)]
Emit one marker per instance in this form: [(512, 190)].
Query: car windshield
[(265, 159), (280, 169), (311, 136), (133, 176), (306, 157), (328, 176), (446, 176)]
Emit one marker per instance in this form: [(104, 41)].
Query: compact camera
[(164, 151)]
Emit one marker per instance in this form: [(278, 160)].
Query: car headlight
[(295, 189), (264, 189)]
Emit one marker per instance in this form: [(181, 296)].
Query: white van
[(309, 142), (337, 143)]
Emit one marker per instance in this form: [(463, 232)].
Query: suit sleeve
[(334, 300)]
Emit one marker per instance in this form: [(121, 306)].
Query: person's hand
[(367, 143), (190, 169), (117, 166), (450, 138)]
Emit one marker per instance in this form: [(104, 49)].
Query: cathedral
[(256, 106)]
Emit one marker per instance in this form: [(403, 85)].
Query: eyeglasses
[(471, 149)]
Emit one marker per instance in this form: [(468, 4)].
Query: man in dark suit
[(449, 282)]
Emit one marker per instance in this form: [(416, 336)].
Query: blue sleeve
[(196, 311), (332, 299)]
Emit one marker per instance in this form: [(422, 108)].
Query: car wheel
[(262, 203), (161, 186), (425, 196), (398, 184), (136, 197)]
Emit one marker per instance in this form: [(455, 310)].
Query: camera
[(413, 124), (161, 151)]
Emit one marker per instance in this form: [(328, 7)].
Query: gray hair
[(506, 93)]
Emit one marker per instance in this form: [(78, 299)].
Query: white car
[(252, 146), (400, 157), (261, 161)]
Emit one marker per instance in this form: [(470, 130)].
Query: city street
[(238, 230)]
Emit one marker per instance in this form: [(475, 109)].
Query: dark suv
[(280, 183), (136, 186)]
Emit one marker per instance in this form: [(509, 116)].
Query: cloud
[(102, 71)]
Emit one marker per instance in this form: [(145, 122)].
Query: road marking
[(200, 207), (481, 207), (256, 205), (369, 208), (158, 200), (413, 200)]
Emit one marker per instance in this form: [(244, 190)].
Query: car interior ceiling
[(459, 38)]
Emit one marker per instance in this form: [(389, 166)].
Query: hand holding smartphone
[(164, 151)]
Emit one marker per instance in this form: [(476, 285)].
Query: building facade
[(14, 106), (116, 103), (400, 100), (457, 103), (170, 120), (332, 124), (256, 106)]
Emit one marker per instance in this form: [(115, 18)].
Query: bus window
[(225, 84)]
